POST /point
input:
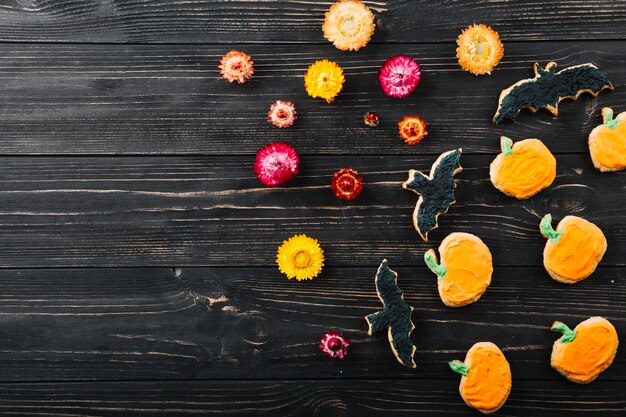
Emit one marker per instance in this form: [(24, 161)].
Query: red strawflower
[(347, 184), (282, 114), (399, 76), (412, 129), (371, 119), (334, 345), (276, 164)]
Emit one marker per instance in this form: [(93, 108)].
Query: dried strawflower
[(347, 184), (236, 66), (276, 164), (349, 25), (282, 114), (399, 76), (300, 257), (480, 49), (335, 345), (412, 129), (324, 79)]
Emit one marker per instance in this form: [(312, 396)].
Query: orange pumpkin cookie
[(465, 269), (523, 169), (486, 377), (583, 353), (607, 142), (573, 250)]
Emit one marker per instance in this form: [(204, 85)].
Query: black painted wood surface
[(137, 249)]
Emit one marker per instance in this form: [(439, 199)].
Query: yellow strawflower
[(300, 257), (324, 79)]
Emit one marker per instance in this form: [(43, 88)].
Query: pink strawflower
[(282, 114), (399, 76), (276, 164), (334, 345), (236, 66)]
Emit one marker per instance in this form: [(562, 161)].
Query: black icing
[(396, 314), (549, 86), (437, 193)]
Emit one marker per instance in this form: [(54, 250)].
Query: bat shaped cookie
[(396, 315), (549, 87), (436, 191)]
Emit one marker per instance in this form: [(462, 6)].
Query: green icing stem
[(506, 145), (607, 117), (459, 367), (547, 230), (568, 334), (439, 269)]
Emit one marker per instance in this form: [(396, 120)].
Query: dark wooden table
[(138, 249)]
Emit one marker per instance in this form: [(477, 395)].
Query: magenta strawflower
[(276, 164), (334, 345), (399, 76)]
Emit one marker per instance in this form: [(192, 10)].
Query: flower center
[(282, 114), (301, 259), (348, 27), (412, 129), (346, 184), (335, 344), (480, 47)]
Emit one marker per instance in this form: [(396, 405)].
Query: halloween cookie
[(583, 353), (523, 169), (464, 272), (573, 250), (486, 377), (395, 315), (436, 191), (549, 87), (607, 142)]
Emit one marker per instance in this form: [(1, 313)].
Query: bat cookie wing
[(548, 87), (395, 315), (436, 191)]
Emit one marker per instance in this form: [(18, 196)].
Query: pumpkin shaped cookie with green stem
[(607, 142), (464, 272), (486, 377), (522, 169), (583, 353), (573, 250)]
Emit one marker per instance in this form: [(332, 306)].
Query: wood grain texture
[(299, 398), (112, 99), (201, 211), (210, 21), (252, 323)]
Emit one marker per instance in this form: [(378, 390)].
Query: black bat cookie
[(436, 191), (396, 315), (549, 87)]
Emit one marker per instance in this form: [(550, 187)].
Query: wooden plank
[(301, 398), (112, 99), (208, 21), (200, 211), (242, 323)]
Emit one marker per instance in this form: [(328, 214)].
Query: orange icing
[(609, 145), (488, 381), (468, 267), (530, 169), (588, 354), (577, 252)]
